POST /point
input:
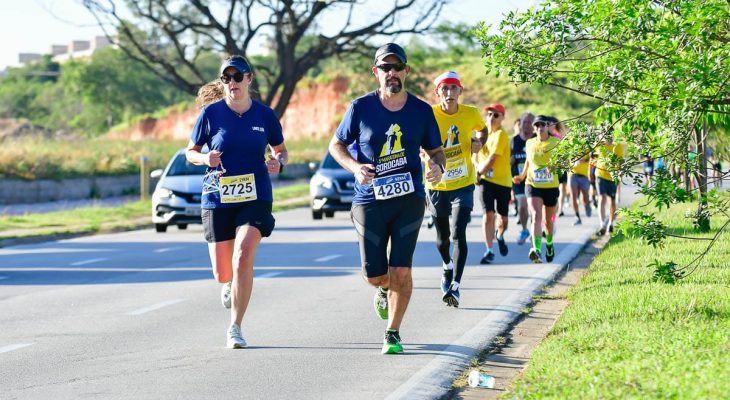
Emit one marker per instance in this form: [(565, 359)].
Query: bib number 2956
[(388, 187)]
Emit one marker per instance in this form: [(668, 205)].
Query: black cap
[(547, 120), (237, 62), (388, 49)]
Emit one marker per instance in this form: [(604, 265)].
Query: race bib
[(455, 169), (237, 189), (388, 187), (542, 175)]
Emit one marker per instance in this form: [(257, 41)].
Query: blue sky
[(61, 21)]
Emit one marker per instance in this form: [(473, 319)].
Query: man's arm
[(364, 173), (436, 163)]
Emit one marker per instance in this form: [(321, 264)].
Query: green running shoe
[(550, 253), (391, 343), (381, 303)]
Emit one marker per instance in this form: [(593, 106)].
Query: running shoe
[(431, 222), (561, 213), (549, 253), (601, 231), (577, 221), (452, 296), (488, 257), (391, 343), (381, 303), (595, 202), (446, 279), (235, 338), (610, 229), (522, 237), (503, 250), (589, 210), (535, 256), (226, 295)]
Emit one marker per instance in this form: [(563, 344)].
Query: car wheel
[(329, 214), (161, 228), (316, 214), (182, 227)]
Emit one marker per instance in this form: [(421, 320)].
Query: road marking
[(154, 307), (90, 261), (12, 347), (328, 258), (268, 275), (166, 249)]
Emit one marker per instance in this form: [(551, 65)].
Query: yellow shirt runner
[(456, 133), (604, 154), (538, 157), (498, 144)]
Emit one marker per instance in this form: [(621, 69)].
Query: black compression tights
[(444, 245)]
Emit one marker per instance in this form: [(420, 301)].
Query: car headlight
[(162, 193), (319, 180)]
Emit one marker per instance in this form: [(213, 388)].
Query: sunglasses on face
[(493, 114), (387, 67), (238, 77)]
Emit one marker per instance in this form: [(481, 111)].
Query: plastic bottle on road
[(479, 379)]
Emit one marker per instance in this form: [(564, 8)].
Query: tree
[(169, 36), (660, 70)]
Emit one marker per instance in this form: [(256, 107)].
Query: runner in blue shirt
[(390, 127), (237, 194)]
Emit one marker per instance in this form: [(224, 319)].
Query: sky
[(61, 21)]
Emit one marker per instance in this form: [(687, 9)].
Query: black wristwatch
[(443, 169)]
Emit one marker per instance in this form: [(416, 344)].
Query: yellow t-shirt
[(456, 133), (604, 154), (497, 144), (581, 167), (538, 156)]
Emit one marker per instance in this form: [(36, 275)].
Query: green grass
[(106, 219), (625, 336)]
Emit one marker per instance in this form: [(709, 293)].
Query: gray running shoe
[(452, 296), (226, 295), (535, 256), (381, 303), (235, 338)]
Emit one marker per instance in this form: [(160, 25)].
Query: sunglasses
[(387, 67), (238, 77), (539, 124), (493, 114)]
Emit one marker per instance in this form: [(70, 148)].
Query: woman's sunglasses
[(387, 67), (238, 77)]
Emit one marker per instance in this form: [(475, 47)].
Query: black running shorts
[(491, 193), (397, 220), (220, 224), (440, 202), (549, 196), (607, 188)]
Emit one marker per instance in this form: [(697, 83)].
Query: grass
[(625, 336), (106, 219)]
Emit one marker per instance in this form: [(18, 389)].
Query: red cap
[(496, 107)]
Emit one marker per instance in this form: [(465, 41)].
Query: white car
[(176, 199)]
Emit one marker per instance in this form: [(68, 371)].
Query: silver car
[(176, 199), (331, 188)]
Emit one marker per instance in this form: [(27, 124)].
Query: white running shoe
[(235, 338), (226, 295)]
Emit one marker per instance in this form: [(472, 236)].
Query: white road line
[(89, 261), (166, 249), (267, 275), (328, 258), (154, 307), (12, 347)]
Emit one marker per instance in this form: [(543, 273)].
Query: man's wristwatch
[(443, 169)]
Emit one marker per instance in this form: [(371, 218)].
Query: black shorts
[(440, 202), (549, 196), (490, 193), (606, 187), (563, 178), (397, 220), (220, 224), (519, 189)]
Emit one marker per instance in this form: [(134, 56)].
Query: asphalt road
[(137, 315)]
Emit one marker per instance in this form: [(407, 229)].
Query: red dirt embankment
[(314, 111)]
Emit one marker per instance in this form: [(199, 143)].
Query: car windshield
[(330, 163), (180, 166)]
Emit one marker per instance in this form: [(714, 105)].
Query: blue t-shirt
[(242, 140), (390, 140)]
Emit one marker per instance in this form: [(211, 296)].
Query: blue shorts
[(580, 181)]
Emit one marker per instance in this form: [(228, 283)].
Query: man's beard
[(394, 86)]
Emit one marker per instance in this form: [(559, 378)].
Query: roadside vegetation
[(628, 335), (135, 215)]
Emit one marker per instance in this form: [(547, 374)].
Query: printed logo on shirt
[(258, 129), (392, 156), (452, 136)]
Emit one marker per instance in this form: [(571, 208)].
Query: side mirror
[(156, 174)]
